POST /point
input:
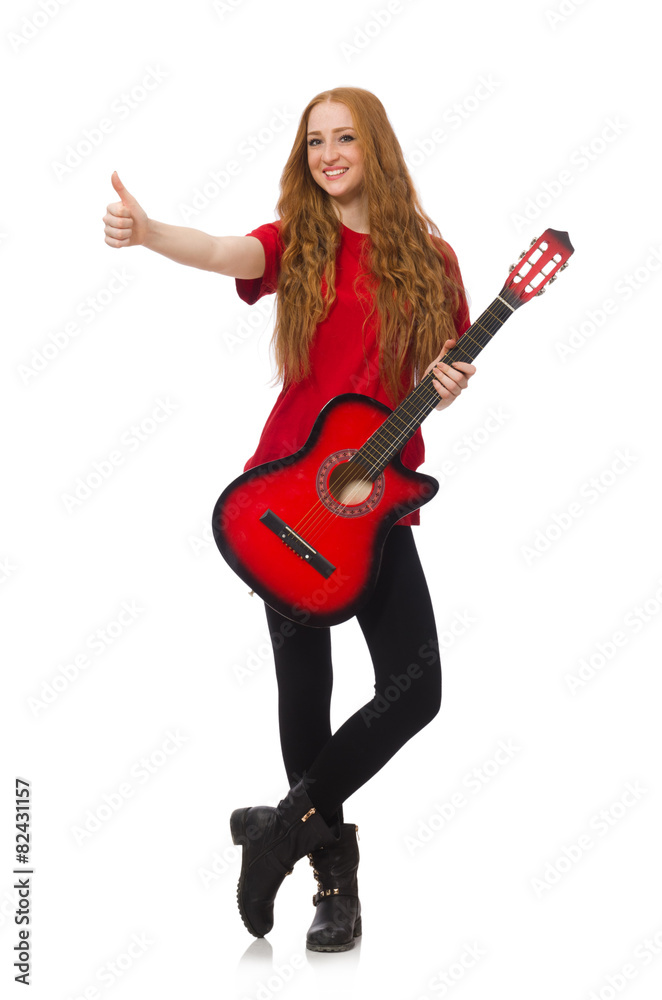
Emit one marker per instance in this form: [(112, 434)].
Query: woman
[(367, 294)]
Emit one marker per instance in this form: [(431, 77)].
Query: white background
[(574, 88)]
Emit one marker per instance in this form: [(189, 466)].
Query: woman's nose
[(330, 154)]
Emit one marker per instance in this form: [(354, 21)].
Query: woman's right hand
[(126, 222)]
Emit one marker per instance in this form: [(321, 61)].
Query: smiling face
[(335, 157)]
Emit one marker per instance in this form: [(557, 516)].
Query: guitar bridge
[(297, 543)]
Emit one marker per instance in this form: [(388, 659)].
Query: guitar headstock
[(539, 266)]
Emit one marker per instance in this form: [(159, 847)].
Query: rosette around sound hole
[(345, 488)]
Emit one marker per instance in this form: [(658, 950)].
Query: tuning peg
[(534, 240), (511, 268), (541, 292), (563, 266), (553, 277), (523, 254)]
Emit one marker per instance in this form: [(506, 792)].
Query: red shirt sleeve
[(252, 289)]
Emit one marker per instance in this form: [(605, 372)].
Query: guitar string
[(427, 394)]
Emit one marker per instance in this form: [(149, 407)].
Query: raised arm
[(127, 225)]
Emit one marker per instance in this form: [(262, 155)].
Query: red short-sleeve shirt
[(337, 359)]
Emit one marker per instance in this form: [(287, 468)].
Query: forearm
[(182, 244)]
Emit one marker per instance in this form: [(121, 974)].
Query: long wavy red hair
[(406, 278)]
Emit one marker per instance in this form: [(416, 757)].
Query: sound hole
[(344, 486), (348, 484)]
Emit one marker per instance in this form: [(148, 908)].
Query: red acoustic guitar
[(306, 532)]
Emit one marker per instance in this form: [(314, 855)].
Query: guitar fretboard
[(389, 439)]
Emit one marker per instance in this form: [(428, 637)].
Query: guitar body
[(338, 523)]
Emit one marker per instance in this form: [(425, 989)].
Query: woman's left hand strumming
[(450, 381)]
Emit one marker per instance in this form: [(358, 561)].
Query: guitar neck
[(389, 439)]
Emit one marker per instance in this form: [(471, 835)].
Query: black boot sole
[(238, 831), (358, 930)]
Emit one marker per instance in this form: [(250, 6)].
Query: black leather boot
[(337, 921), (273, 838)]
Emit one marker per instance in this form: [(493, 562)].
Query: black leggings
[(399, 628)]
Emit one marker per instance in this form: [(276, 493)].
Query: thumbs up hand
[(126, 222)]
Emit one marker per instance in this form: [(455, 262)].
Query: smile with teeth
[(337, 172)]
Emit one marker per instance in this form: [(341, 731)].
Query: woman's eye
[(312, 142)]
